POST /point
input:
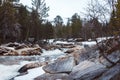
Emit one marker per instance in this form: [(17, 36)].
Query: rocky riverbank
[(100, 61)]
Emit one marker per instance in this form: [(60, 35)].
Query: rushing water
[(46, 55)]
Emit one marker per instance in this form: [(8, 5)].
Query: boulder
[(86, 54), (16, 49), (51, 47), (59, 76), (69, 51), (3, 50), (112, 74), (11, 53), (114, 57), (87, 70), (21, 47), (30, 51), (36, 51), (64, 65), (12, 44), (93, 74), (30, 66)]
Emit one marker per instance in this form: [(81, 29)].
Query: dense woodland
[(19, 22)]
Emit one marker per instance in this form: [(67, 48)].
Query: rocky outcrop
[(60, 66), (75, 49), (87, 70), (3, 50), (16, 49), (59, 76), (81, 54), (112, 74), (114, 57)]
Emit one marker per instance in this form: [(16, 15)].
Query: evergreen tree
[(118, 17), (76, 25), (0, 2), (114, 23), (58, 26), (7, 22), (34, 25), (48, 30), (68, 29), (39, 11), (24, 19)]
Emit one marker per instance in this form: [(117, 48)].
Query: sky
[(64, 8)]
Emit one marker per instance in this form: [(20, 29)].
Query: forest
[(19, 23)]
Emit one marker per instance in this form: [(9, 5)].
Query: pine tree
[(34, 25), (7, 22), (48, 30), (24, 19), (118, 17), (114, 24), (58, 26), (76, 25)]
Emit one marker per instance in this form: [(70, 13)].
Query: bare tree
[(101, 12), (41, 8)]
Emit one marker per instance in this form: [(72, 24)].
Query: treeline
[(21, 23)]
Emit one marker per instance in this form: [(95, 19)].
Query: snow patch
[(52, 53), (63, 42), (32, 73), (8, 72), (89, 43)]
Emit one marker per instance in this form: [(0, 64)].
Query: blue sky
[(64, 8)]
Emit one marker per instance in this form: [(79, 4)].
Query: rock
[(3, 50), (30, 66), (81, 54), (60, 66), (21, 47), (87, 70), (68, 46), (114, 57), (30, 51), (11, 53), (51, 47), (75, 49), (112, 74), (59, 76), (12, 44), (16, 49), (79, 39), (69, 51), (86, 54), (36, 51), (93, 74)]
